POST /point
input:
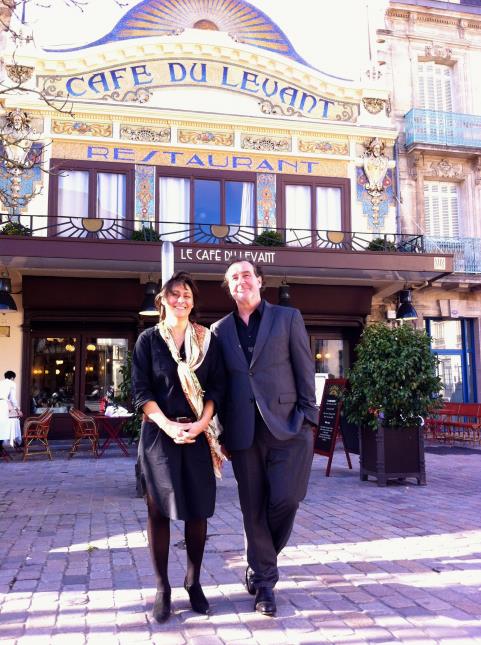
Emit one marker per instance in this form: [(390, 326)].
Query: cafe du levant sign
[(135, 83)]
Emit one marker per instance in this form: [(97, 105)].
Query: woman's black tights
[(158, 530), (195, 536)]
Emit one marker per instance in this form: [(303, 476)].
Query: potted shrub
[(15, 228), (269, 238), (145, 234), (381, 244), (392, 387)]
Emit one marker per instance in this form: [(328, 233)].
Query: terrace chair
[(84, 428), (438, 425), (36, 429)]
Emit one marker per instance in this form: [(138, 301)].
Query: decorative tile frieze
[(206, 137), (323, 146), (250, 142), (144, 193), (83, 128), (145, 133), (266, 201)]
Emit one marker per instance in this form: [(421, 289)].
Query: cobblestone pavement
[(400, 564)]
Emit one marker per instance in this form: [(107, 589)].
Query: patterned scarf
[(196, 344)]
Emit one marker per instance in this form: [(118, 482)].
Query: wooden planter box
[(392, 453)]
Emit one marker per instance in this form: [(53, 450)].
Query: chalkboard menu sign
[(329, 420)]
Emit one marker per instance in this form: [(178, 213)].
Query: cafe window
[(75, 371), (331, 360), (99, 192), (190, 206), (53, 373), (452, 342), (105, 358), (313, 204)]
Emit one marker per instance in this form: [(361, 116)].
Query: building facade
[(187, 136), (434, 52)]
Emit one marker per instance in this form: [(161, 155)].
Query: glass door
[(331, 359), (104, 358)]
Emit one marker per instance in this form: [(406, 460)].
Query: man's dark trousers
[(276, 471)]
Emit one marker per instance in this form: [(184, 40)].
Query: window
[(452, 342), (435, 96), (441, 216), (53, 374), (311, 205), (192, 206), (101, 192), (75, 371), (434, 86)]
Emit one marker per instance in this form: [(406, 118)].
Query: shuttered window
[(441, 214), (434, 87)]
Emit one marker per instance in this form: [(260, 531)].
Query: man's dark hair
[(258, 272), (186, 280), (9, 374)]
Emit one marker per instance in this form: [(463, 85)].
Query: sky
[(330, 36)]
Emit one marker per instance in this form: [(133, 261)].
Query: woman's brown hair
[(186, 280)]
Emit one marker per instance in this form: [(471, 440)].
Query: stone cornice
[(435, 16)]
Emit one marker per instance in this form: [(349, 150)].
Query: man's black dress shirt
[(248, 333)]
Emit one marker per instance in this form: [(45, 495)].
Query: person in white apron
[(10, 413)]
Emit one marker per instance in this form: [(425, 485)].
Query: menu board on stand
[(329, 421)]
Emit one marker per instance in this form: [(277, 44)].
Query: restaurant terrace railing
[(466, 251), (442, 128), (202, 233)]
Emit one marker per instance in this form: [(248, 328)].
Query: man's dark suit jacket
[(280, 378)]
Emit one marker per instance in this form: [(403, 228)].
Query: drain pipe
[(397, 195)]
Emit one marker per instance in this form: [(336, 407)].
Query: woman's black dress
[(179, 477)]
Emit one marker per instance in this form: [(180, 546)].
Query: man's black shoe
[(250, 586), (265, 602)]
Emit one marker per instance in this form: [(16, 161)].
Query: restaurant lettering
[(199, 254), (123, 84), (202, 160), (171, 156)]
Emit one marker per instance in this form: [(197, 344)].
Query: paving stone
[(364, 564)]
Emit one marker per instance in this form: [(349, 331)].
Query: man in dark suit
[(268, 416)]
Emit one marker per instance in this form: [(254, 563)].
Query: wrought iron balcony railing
[(442, 128), (466, 251), (199, 233)]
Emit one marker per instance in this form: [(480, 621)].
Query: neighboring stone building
[(204, 127), (433, 50)]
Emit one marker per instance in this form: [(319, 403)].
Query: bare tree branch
[(21, 151)]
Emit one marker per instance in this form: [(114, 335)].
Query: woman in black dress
[(177, 380)]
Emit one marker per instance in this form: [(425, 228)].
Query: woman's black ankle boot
[(198, 601), (162, 607)]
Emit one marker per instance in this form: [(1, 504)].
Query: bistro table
[(113, 426)]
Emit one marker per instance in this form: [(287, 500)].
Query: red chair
[(84, 428), (37, 429)]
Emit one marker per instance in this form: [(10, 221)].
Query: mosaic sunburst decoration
[(241, 20)]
